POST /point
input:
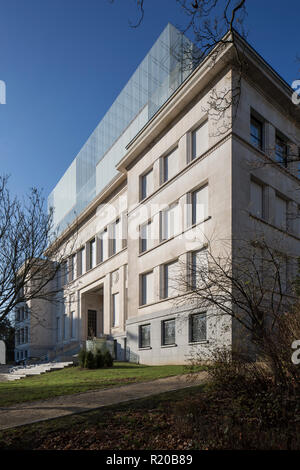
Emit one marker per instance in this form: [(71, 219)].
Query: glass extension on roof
[(153, 82)]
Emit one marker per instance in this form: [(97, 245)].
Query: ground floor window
[(144, 336), (168, 332), (197, 327)]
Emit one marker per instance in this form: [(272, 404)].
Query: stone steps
[(33, 370)]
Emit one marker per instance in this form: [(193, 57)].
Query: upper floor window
[(281, 212), (103, 245), (281, 151), (170, 221), (169, 166), (199, 200), (199, 140), (146, 236), (65, 273), (257, 199), (256, 133), (146, 184), (147, 288), (170, 279), (116, 241), (198, 269), (72, 268), (80, 261), (92, 253)]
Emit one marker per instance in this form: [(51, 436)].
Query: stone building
[(160, 176)]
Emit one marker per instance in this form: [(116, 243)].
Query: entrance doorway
[(92, 323)]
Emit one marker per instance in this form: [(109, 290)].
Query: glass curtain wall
[(154, 81)]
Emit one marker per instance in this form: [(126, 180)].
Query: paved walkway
[(33, 412)]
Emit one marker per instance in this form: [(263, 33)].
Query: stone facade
[(119, 285)]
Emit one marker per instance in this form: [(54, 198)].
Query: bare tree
[(28, 268), (247, 281)]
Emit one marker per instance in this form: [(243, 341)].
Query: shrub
[(81, 358), (99, 359), (90, 362), (107, 359)]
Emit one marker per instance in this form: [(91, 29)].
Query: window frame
[(165, 288), (163, 336), (193, 212), (141, 345), (142, 285), (191, 336), (254, 181), (194, 155), (281, 158), (164, 165), (254, 120), (144, 195), (92, 253)]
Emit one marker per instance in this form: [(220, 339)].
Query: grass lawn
[(75, 380)]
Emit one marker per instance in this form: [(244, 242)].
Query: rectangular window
[(65, 273), (169, 165), (103, 246), (281, 151), (146, 295), (80, 261), (72, 325), (144, 336), (146, 183), (92, 253), (168, 332), (199, 140), (281, 212), (116, 241), (257, 199), (199, 268), (197, 327), (57, 329), (199, 200), (256, 133), (65, 326), (115, 310), (170, 279), (170, 221), (146, 236), (26, 335), (92, 323), (72, 268)]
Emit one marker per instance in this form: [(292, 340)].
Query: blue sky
[(65, 61)]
